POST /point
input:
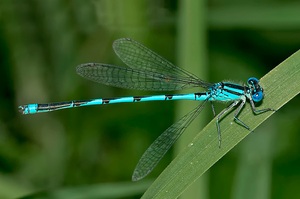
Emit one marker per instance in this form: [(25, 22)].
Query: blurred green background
[(41, 43)]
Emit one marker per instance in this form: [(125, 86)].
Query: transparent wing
[(137, 56), (162, 144), (129, 78), (147, 70)]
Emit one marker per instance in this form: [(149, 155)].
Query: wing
[(162, 144), (147, 70), (137, 56), (125, 77)]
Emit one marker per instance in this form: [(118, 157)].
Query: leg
[(237, 112), (213, 108), (255, 111), (237, 120), (220, 115)]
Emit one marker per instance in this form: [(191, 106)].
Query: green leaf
[(280, 86)]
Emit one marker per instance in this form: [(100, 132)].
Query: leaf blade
[(280, 85)]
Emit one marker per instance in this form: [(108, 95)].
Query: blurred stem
[(192, 57), (254, 171), (127, 18)]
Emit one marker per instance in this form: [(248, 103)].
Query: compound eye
[(252, 81), (257, 96)]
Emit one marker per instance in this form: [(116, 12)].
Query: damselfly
[(148, 71)]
